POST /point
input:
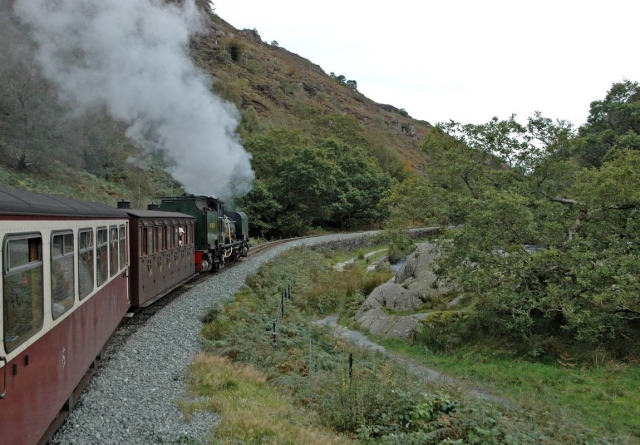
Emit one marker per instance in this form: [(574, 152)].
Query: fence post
[(310, 366), (350, 366), (273, 333), (282, 305)]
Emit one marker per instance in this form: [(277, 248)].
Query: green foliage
[(251, 123), (540, 245), (301, 186), (228, 89), (441, 331), (235, 48), (343, 127), (253, 66), (613, 124)]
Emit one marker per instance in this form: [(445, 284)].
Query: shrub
[(236, 48)]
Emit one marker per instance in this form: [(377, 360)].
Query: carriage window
[(144, 241), (23, 297), (160, 238), (85, 262), (151, 241), (102, 257), (123, 247), (165, 238), (156, 240), (113, 250), (62, 293), (181, 236), (170, 244)]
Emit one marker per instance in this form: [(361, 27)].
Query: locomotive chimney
[(124, 204)]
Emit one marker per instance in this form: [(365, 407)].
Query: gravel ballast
[(133, 398)]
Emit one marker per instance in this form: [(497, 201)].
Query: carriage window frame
[(156, 239), (170, 237), (165, 237), (65, 255), (151, 241), (122, 242), (100, 279), (114, 254), (23, 268), (82, 249), (144, 240)]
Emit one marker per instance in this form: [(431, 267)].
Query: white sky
[(466, 60)]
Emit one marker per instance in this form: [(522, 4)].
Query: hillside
[(288, 90), (52, 141)]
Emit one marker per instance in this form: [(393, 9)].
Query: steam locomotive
[(221, 236), (71, 270)]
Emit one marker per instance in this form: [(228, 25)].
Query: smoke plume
[(131, 57)]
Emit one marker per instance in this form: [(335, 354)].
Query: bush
[(236, 48)]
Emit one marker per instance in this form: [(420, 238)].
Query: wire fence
[(285, 297)]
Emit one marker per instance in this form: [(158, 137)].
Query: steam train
[(71, 270)]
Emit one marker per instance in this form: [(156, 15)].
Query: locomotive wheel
[(207, 264)]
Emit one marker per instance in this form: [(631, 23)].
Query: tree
[(360, 185), (613, 123), (343, 127), (301, 185), (30, 112), (236, 47), (541, 245)]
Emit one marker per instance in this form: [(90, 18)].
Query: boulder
[(383, 325), (417, 274), (410, 291), (390, 296)]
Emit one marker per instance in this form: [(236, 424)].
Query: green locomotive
[(220, 236)]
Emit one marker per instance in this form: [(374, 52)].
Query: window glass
[(113, 250), (23, 298), (102, 258), (165, 238), (144, 240), (85, 262), (123, 247), (62, 274), (180, 236), (150, 242)]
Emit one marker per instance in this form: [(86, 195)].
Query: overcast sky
[(466, 60)]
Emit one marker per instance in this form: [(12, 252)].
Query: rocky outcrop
[(384, 312), (417, 273), (393, 297)]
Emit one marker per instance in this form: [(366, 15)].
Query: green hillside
[(287, 105)]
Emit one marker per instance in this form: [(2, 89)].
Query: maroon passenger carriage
[(162, 252), (65, 287), (64, 291)]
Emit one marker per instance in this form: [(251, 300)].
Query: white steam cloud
[(131, 57)]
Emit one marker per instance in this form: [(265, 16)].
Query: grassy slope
[(561, 405)]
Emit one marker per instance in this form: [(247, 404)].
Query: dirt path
[(427, 374), (340, 266)]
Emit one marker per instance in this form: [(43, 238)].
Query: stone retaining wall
[(368, 239)]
